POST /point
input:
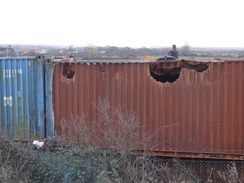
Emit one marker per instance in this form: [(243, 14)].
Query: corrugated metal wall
[(22, 97), (49, 116), (201, 112)]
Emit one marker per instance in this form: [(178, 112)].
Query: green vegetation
[(83, 155), (23, 164)]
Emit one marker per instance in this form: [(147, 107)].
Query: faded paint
[(49, 118), (21, 97), (199, 113)]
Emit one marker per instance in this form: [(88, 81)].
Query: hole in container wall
[(164, 72), (169, 71), (68, 71), (165, 78)]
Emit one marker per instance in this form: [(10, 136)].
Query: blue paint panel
[(26, 97), (22, 97), (5, 122), (40, 89), (9, 99)]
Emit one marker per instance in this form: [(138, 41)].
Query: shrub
[(101, 151)]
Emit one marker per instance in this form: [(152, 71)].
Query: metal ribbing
[(198, 113)]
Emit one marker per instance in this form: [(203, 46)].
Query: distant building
[(42, 51), (7, 52), (81, 49), (102, 52)]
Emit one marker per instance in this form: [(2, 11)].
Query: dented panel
[(199, 113)]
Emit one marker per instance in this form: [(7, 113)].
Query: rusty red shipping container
[(197, 114)]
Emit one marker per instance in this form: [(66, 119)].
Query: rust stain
[(198, 113), (168, 67), (196, 65), (68, 72)]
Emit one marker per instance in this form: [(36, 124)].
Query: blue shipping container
[(22, 97)]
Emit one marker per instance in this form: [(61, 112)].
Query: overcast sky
[(133, 23)]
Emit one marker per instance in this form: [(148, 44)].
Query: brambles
[(86, 164), (96, 152), (230, 175)]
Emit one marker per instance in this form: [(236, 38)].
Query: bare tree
[(185, 50)]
